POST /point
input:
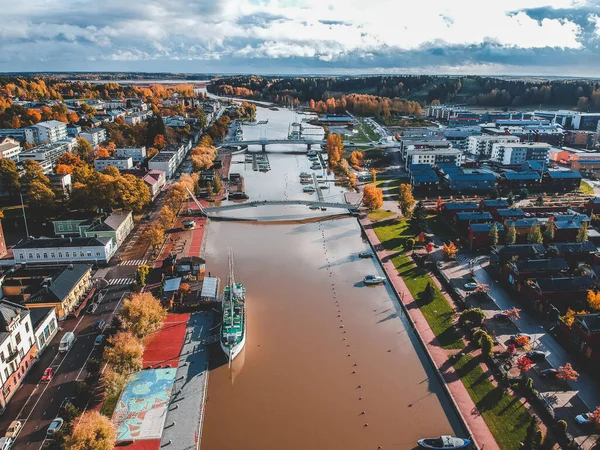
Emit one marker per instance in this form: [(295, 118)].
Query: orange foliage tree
[(567, 372), (524, 363), (569, 316), (372, 197), (449, 250), (357, 159), (92, 430), (160, 142), (335, 148), (593, 299), (522, 341)]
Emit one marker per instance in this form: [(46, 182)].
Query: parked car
[(471, 286), (583, 419), (549, 373), (55, 426), (536, 355), (365, 255), (48, 374), (502, 316), (99, 339), (13, 429), (100, 325), (92, 308), (6, 443)]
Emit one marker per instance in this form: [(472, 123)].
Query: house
[(73, 130), (518, 271), (50, 131), (463, 219), (468, 180), (116, 226), (65, 291), (73, 222), (501, 254), (522, 226), (423, 178), (191, 266), (562, 293), (166, 162), (561, 180), (94, 136), (584, 334), (45, 326), (566, 229), (515, 181), (509, 213), (137, 154), (121, 163), (17, 348), (492, 205), (593, 206), (64, 250), (450, 209), (574, 252), (9, 148), (479, 234), (155, 179)]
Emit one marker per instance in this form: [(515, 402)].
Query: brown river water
[(328, 363)]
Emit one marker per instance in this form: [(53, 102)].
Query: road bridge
[(263, 142)]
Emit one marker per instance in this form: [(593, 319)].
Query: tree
[(124, 353), (84, 149), (40, 197), (511, 235), (595, 416), (510, 199), (513, 313), (93, 431), (494, 234), (472, 318), (528, 442), (113, 382), (142, 314), (159, 142), (407, 201), (34, 172), (217, 184), (373, 176), (521, 341), (567, 373), (372, 197), (549, 231), (487, 344), (524, 364), (356, 159), (569, 316), (141, 273), (449, 250), (335, 148), (535, 235), (593, 299), (152, 151), (9, 177), (429, 292), (582, 235), (166, 217), (418, 220), (155, 236), (539, 201)]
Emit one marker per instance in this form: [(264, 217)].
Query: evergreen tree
[(582, 236), (535, 235), (419, 218), (494, 234), (511, 236), (510, 199)]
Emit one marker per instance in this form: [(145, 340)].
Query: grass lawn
[(109, 405), (586, 188), (505, 416), (439, 314), (369, 131), (380, 214)]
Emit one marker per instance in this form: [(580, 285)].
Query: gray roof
[(62, 284), (8, 312), (116, 219), (63, 242), (39, 314)]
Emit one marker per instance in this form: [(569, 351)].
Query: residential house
[(61, 182), (20, 134), (509, 213), (470, 180), (566, 229), (515, 181), (423, 178), (73, 222), (46, 152), (593, 206), (166, 162), (45, 326), (482, 145), (9, 148), (463, 219), (94, 136), (584, 334), (479, 235), (522, 226), (574, 252), (501, 254), (121, 163), (116, 226), (518, 271), (492, 205), (561, 180), (547, 294), (155, 179), (17, 348), (64, 250), (518, 153), (450, 209)]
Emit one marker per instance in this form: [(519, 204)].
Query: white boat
[(233, 328), (373, 279), (444, 442), (309, 189), (305, 175)]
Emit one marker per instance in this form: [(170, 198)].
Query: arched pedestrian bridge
[(210, 212)]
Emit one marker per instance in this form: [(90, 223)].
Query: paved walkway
[(477, 426)]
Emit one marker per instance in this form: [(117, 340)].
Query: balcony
[(12, 356)]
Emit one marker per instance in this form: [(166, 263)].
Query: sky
[(484, 37)]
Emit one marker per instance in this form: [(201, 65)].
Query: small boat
[(313, 207), (365, 255), (305, 175), (310, 189), (324, 186), (375, 279), (316, 167), (444, 442)]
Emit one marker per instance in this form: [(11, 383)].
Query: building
[(17, 348), (50, 131), (492, 205), (469, 180), (574, 252), (462, 220), (73, 223), (562, 293), (9, 148), (482, 145), (510, 154), (46, 152), (423, 178), (561, 180), (515, 181), (166, 162), (121, 163), (501, 254), (116, 226), (20, 134), (94, 136), (584, 334), (45, 326), (522, 226), (155, 179), (433, 156), (137, 154), (62, 182), (518, 271), (479, 234), (65, 291), (64, 250)]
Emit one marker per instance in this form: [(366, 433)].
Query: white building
[(155, 180), (50, 131), (10, 148), (482, 145), (511, 154), (95, 136), (28, 134), (17, 348), (434, 156), (46, 152), (114, 104), (137, 154), (45, 326), (169, 159), (121, 163), (65, 250)]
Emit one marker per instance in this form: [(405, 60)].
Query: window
[(6, 374), (27, 326), (21, 256), (21, 353), (97, 253), (18, 338), (60, 254), (37, 255), (52, 255), (61, 227), (66, 254), (6, 391), (89, 253), (81, 254), (45, 255), (30, 255)]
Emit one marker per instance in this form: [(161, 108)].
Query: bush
[(93, 365), (472, 317), (409, 244)]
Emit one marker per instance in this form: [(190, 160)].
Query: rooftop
[(62, 284), (62, 242), (510, 175), (495, 203), (564, 174), (458, 206), (50, 124), (541, 265), (590, 321), (573, 247), (563, 284), (511, 212), (474, 215), (482, 227)]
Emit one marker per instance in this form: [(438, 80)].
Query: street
[(36, 404)]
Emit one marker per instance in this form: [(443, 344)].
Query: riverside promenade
[(460, 397)]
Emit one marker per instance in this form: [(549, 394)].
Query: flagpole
[(24, 216)]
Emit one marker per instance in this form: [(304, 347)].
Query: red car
[(48, 374)]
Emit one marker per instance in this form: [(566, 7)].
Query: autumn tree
[(511, 235), (124, 352), (356, 159), (567, 373), (373, 176), (40, 197), (595, 417), (155, 236), (113, 382), (84, 149), (521, 340), (141, 274), (372, 197), (524, 364), (142, 314), (513, 313), (449, 250), (335, 148), (494, 234), (535, 235), (593, 299), (549, 231), (166, 217), (582, 235), (9, 177), (93, 431), (152, 152), (407, 201), (569, 316)]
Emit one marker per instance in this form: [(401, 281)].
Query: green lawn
[(505, 415), (586, 188), (380, 214), (438, 313), (109, 405), (369, 131)]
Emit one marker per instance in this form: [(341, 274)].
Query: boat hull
[(233, 352), (460, 443)]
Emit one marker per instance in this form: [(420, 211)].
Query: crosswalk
[(470, 261), (134, 262), (119, 281)]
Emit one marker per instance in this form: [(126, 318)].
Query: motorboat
[(316, 167), (310, 189), (365, 255), (305, 175), (375, 279), (444, 442)]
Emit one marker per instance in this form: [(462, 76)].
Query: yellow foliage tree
[(335, 148), (124, 354), (93, 431), (569, 316), (449, 250), (593, 299), (372, 197), (407, 201), (142, 314), (356, 159)]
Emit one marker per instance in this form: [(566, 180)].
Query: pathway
[(477, 426)]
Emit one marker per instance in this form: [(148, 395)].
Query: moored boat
[(233, 328), (373, 279), (444, 442), (309, 189)]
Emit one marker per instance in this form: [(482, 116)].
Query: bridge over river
[(264, 142)]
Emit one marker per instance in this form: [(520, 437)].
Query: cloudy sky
[(531, 37)]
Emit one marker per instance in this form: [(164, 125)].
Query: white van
[(66, 342)]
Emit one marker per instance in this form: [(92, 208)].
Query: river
[(328, 362)]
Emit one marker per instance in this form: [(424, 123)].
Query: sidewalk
[(467, 409)]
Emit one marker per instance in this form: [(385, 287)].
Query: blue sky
[(512, 37)]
